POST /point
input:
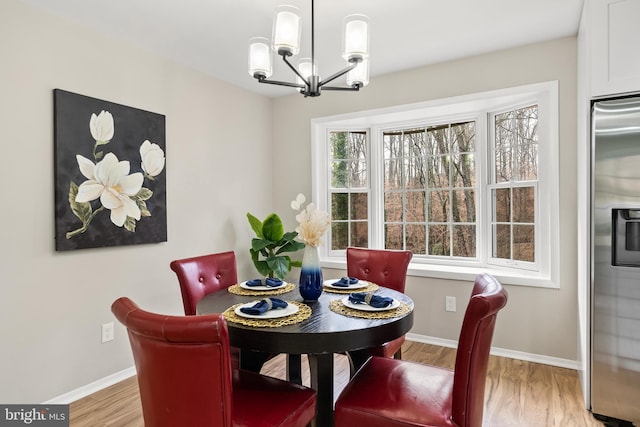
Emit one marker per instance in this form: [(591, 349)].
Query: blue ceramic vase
[(310, 274)]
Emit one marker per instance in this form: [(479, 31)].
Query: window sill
[(506, 277)]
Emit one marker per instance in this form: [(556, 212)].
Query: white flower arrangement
[(108, 180), (312, 223)]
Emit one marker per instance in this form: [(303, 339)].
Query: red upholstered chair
[(394, 393), (185, 376), (202, 275), (386, 268)]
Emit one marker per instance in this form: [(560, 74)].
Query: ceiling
[(212, 35)]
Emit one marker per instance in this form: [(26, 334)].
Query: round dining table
[(322, 335)]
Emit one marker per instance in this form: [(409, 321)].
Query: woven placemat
[(337, 307), (238, 290), (304, 312), (371, 288)]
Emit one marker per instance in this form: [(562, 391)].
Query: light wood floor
[(518, 393)]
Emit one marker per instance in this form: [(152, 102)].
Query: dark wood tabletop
[(320, 336)]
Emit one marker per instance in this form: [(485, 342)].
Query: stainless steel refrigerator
[(615, 259)]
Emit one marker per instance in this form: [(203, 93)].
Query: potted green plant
[(270, 243)]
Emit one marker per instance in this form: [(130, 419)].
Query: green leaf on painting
[(130, 224), (80, 209), (143, 194), (143, 208)]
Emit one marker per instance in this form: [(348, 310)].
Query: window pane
[(359, 208), (464, 240), (339, 145), (464, 170), (393, 174), (502, 241), (439, 240), (393, 207), (438, 206), (503, 162), (339, 206), (358, 174), (463, 137), (359, 234), (437, 140), (417, 238), (439, 172), (339, 235), (502, 205), (416, 206), (464, 206), (415, 173), (527, 159), (523, 204), (523, 243), (339, 174), (393, 236)]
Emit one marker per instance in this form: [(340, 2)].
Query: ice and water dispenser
[(626, 237)]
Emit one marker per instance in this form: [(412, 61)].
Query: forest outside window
[(461, 189)]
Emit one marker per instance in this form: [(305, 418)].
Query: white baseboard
[(502, 352), (91, 388)]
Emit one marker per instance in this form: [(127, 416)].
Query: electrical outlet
[(107, 332), (450, 303)]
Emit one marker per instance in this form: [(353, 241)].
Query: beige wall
[(536, 321), (52, 305)]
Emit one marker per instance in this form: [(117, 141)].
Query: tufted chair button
[(366, 270), (200, 279), (386, 272), (218, 276)]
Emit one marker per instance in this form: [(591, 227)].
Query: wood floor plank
[(518, 393)]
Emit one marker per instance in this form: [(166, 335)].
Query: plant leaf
[(143, 194), (280, 265), (130, 224), (143, 208), (261, 266), (291, 246), (80, 209), (260, 244), (256, 225), (272, 228)]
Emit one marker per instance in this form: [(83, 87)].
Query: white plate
[(367, 307), (360, 285), (244, 285), (269, 314)]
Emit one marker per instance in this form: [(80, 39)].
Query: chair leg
[(294, 368), (398, 354)]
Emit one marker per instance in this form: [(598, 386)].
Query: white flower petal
[(118, 216), (101, 126), (131, 184), (110, 200), (130, 207), (88, 191), (86, 166)]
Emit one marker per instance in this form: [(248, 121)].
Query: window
[(455, 181)]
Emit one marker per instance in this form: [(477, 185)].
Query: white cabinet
[(613, 42)]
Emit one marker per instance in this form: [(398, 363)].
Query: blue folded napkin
[(269, 281), (264, 305), (376, 301), (345, 282), (273, 281)]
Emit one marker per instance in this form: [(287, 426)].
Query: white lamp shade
[(286, 30), (355, 39), (360, 74), (306, 69), (260, 62)]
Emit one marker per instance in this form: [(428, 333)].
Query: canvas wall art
[(110, 173)]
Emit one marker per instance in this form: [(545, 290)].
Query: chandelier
[(286, 43)]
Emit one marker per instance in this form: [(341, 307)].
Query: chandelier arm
[(340, 73), (279, 83), (353, 88), (286, 61)]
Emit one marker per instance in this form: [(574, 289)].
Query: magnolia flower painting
[(110, 174)]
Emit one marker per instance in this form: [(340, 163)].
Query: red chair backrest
[(383, 267), (472, 357), (202, 275), (183, 366)]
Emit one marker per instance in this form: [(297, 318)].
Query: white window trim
[(546, 95)]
